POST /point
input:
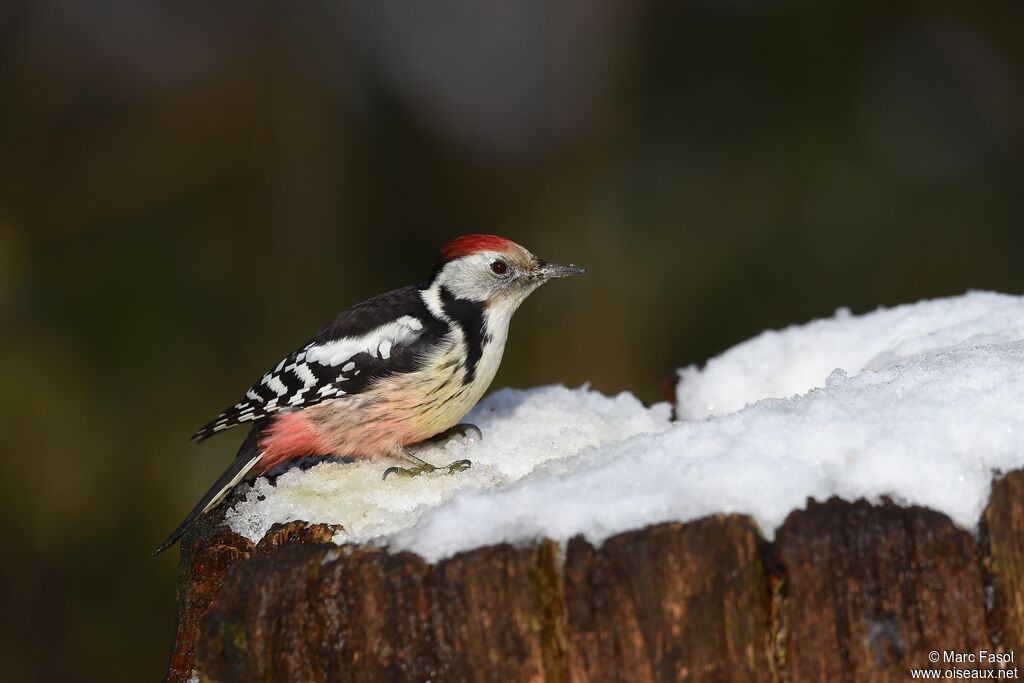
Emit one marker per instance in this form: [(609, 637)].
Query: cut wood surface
[(847, 591)]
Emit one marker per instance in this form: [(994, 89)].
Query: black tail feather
[(229, 418), (244, 461)]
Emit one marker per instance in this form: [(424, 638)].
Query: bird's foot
[(425, 467), (458, 466), (465, 430)]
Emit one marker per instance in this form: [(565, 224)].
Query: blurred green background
[(188, 190)]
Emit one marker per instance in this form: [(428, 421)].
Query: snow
[(793, 361), (922, 403), (523, 432)]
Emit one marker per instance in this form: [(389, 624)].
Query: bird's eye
[(499, 267)]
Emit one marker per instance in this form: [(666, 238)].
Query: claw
[(465, 430), (397, 471), (459, 466), (407, 472), (410, 472)]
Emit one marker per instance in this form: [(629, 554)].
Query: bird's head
[(493, 270)]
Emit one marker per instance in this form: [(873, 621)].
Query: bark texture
[(871, 591), (208, 551), (846, 592), (1003, 541), (669, 603), (324, 614)]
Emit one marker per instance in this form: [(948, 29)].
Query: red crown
[(471, 244)]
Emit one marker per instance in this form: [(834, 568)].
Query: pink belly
[(396, 412), (295, 435), (289, 436)]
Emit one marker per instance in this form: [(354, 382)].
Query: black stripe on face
[(469, 316)]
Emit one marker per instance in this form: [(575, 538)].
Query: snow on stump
[(594, 539), (847, 591)]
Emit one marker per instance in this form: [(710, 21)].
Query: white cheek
[(469, 280)]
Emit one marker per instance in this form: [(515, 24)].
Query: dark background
[(189, 189)]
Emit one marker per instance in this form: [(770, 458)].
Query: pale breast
[(411, 407), (406, 408)]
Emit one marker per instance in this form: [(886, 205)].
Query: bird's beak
[(550, 271)]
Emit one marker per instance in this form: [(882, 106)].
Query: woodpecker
[(397, 370)]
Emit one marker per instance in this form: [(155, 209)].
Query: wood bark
[(668, 603), (846, 591), (871, 591), (1003, 547), (208, 551)]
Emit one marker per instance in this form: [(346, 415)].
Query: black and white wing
[(385, 335)]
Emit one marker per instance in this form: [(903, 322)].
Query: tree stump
[(847, 591), (871, 591)]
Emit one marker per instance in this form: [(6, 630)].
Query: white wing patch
[(376, 342), (307, 376), (333, 353), (412, 323)]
